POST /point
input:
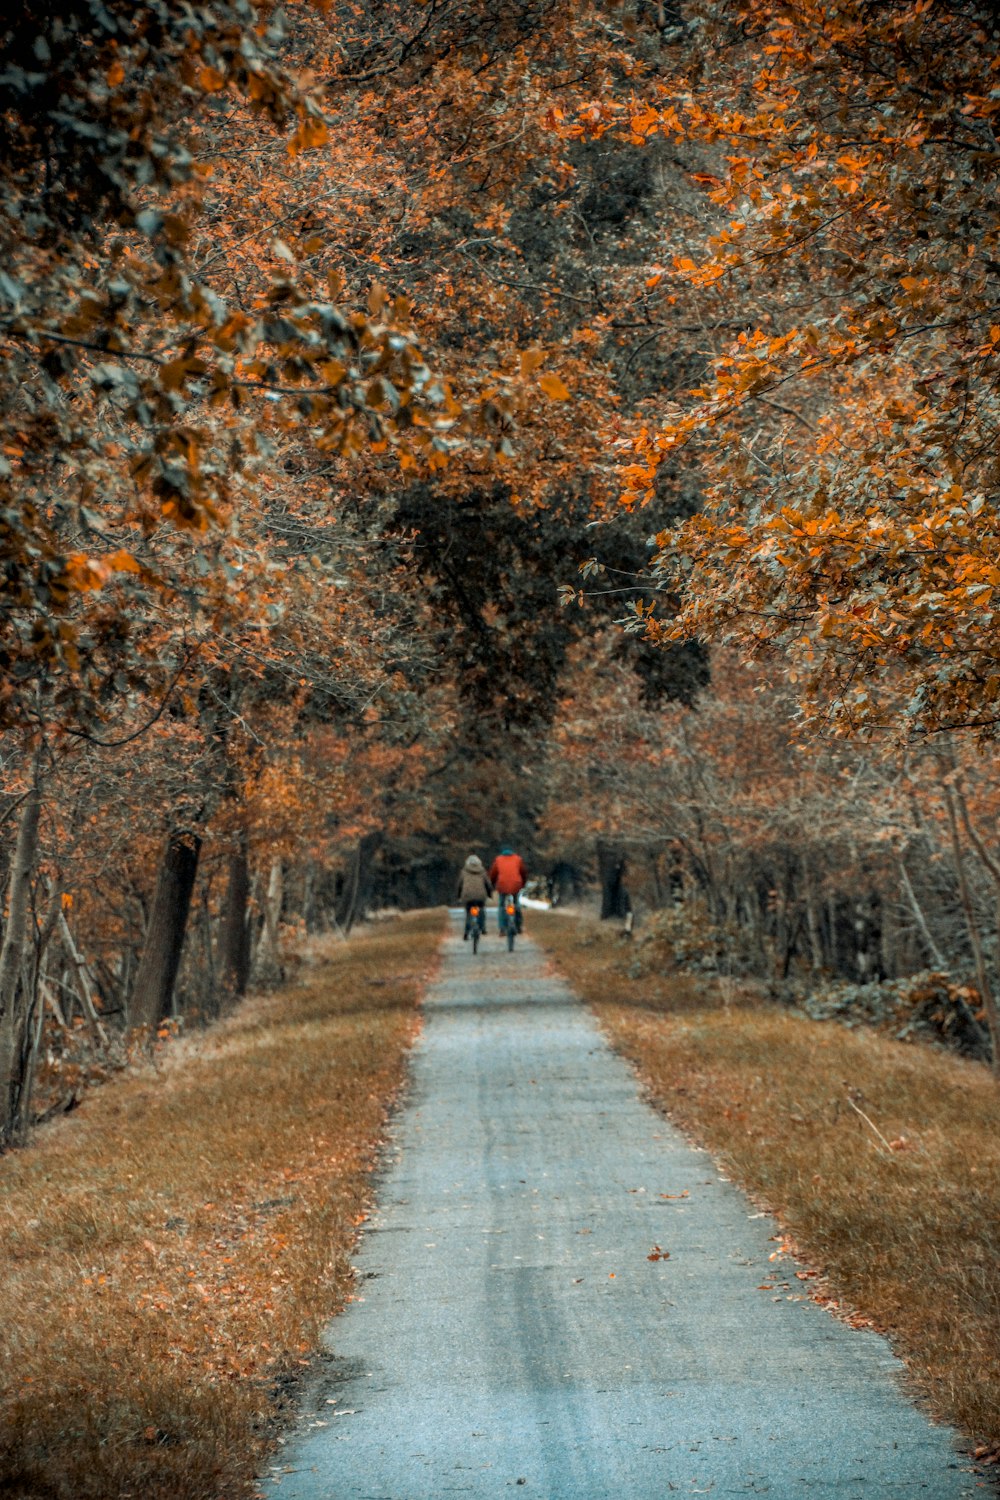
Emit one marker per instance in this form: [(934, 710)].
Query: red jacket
[(508, 874)]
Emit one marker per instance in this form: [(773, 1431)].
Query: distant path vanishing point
[(514, 1337)]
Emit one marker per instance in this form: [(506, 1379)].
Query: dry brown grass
[(904, 1231), (169, 1253)]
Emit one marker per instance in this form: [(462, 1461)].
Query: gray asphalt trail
[(513, 1336)]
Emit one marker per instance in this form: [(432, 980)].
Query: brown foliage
[(845, 277)]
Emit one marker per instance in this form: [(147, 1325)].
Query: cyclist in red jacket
[(508, 875)]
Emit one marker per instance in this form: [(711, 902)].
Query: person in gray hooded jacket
[(474, 889)]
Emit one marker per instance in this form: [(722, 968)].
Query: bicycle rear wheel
[(475, 938)]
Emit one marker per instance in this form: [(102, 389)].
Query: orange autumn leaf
[(554, 387)]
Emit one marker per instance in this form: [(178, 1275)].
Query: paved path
[(514, 1339)]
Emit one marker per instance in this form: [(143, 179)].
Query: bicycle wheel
[(475, 938), (510, 937)]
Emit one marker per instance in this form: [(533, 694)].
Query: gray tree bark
[(267, 962), (937, 958)]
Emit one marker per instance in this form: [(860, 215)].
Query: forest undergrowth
[(880, 1159), (170, 1251)]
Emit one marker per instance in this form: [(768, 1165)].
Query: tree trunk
[(887, 945), (209, 990), (309, 897), (611, 866), (564, 883), (862, 956), (833, 934), (234, 940), (993, 866), (36, 1021), (654, 870), (52, 1000), (813, 929), (13, 1004), (153, 992), (982, 981), (355, 894), (267, 965), (937, 958), (83, 987)]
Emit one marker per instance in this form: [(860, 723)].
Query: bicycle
[(475, 921), (509, 920)]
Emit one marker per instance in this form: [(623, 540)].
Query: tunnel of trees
[(571, 425)]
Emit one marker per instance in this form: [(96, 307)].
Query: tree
[(154, 981), (292, 612), (846, 435), (132, 390)]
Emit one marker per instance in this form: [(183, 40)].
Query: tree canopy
[(368, 367), (847, 432)]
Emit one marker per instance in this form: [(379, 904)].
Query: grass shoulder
[(170, 1252), (880, 1159)]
